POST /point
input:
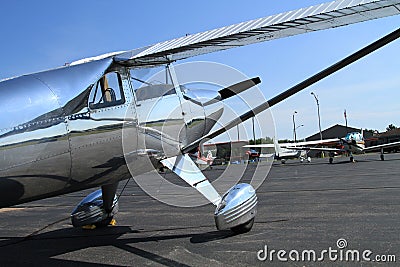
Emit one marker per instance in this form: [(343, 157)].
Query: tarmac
[(330, 209)]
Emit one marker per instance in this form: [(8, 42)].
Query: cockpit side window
[(152, 83), (154, 91), (107, 91)]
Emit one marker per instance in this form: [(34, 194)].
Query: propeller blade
[(207, 97), (238, 88)]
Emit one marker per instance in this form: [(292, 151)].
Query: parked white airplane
[(285, 151), (352, 143)]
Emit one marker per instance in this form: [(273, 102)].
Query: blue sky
[(38, 35)]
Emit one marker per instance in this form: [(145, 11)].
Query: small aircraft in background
[(286, 151), (61, 130)]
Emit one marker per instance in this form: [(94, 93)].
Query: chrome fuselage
[(55, 139)]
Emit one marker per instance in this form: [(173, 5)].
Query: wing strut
[(297, 88)]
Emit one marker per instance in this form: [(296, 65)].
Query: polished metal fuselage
[(52, 142)]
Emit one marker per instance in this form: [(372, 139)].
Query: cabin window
[(152, 83), (107, 91)]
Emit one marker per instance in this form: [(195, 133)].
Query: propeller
[(297, 88), (351, 143)]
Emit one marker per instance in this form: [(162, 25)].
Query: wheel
[(330, 160), (243, 228), (351, 159), (382, 157)]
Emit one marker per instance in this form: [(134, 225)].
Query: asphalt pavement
[(338, 211)]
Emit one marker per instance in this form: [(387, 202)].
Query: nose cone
[(213, 114)]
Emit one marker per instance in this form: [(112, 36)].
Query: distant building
[(387, 137), (227, 151)]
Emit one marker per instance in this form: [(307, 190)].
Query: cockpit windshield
[(354, 136)]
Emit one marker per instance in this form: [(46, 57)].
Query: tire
[(330, 160), (243, 228)]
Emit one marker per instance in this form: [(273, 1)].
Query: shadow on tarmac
[(40, 249)]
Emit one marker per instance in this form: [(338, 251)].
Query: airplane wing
[(367, 149), (310, 143), (298, 144), (379, 147), (260, 145), (314, 18), (306, 148)]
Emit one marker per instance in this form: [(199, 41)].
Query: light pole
[(319, 122), (294, 127), (254, 133), (319, 117), (298, 128)]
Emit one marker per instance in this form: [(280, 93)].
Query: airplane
[(285, 151), (352, 143), (284, 154), (61, 130), (202, 160)]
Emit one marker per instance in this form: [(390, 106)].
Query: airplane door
[(96, 132), (161, 124), (160, 120)]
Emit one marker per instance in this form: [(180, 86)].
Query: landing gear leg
[(108, 195), (351, 158), (331, 157)]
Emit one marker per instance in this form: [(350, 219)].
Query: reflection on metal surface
[(38, 131), (238, 207), (91, 210)]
